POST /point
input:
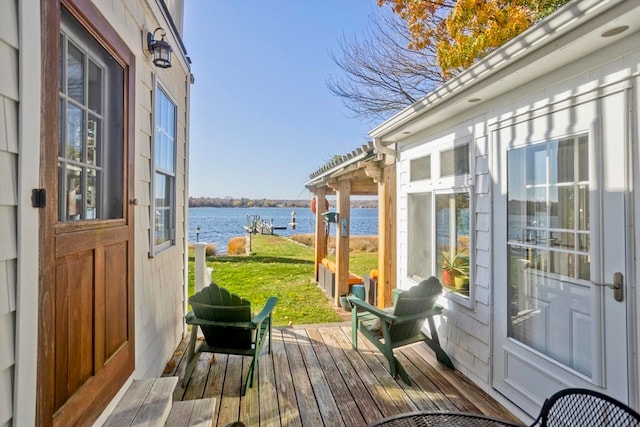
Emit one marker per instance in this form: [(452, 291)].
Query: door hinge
[(38, 197)]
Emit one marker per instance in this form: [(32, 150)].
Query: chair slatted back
[(218, 304), (418, 299)]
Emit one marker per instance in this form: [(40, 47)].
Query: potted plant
[(455, 266)]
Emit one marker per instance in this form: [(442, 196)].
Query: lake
[(218, 225)]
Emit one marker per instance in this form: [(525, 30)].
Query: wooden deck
[(313, 378)]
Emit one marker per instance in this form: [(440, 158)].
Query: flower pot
[(448, 277), (461, 283)]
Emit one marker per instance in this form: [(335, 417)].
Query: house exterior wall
[(9, 101), (160, 282), (466, 328)]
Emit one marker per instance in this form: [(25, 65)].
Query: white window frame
[(171, 241), (439, 185)]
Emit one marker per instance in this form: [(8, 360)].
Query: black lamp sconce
[(160, 49)]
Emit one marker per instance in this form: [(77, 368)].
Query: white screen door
[(561, 234)]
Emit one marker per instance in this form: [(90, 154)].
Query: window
[(164, 181), (90, 153), (420, 168), (439, 220)]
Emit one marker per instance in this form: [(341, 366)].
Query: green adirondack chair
[(388, 329), (228, 328)]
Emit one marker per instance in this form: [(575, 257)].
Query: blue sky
[(262, 118)]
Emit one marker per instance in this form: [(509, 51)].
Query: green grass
[(282, 268)]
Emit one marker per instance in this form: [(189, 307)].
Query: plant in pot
[(455, 268)]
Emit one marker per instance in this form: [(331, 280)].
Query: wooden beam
[(321, 236), (342, 239), (386, 236)]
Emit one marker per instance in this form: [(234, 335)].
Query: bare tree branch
[(381, 75)]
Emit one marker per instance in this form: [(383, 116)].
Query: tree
[(382, 74), (464, 31)]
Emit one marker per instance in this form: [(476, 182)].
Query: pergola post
[(321, 237), (386, 237), (343, 196)]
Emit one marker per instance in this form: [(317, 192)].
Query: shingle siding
[(8, 203)]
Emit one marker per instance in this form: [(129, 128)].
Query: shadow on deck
[(313, 377)]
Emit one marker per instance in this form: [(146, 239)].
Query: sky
[(262, 117)]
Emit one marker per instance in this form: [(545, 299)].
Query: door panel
[(561, 232), (86, 290)]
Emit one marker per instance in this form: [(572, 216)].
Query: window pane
[(452, 240), (73, 197), (419, 258), (75, 132), (95, 87), (84, 122), (549, 307), (455, 161), (420, 168), (75, 73)]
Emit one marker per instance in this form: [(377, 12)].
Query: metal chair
[(585, 408)]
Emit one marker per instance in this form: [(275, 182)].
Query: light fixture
[(615, 31), (160, 49), (197, 233)]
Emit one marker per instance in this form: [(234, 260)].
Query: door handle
[(616, 286)]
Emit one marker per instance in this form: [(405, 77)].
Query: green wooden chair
[(228, 328), (402, 325)]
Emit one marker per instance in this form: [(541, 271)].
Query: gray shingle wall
[(8, 202)]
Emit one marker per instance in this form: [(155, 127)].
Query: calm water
[(218, 225)]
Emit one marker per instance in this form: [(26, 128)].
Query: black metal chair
[(585, 408)]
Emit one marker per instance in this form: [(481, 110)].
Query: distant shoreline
[(216, 202)]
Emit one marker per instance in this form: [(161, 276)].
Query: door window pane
[(549, 263), (91, 104)]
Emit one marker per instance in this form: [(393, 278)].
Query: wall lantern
[(160, 49)]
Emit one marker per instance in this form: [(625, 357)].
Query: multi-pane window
[(165, 170), (549, 249), (90, 152), (439, 216)]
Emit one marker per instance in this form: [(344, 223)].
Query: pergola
[(366, 171)]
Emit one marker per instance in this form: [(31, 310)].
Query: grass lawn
[(283, 268)]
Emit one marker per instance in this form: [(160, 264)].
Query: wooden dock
[(313, 377)]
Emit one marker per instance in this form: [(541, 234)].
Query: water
[(218, 225)]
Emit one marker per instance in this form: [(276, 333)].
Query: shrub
[(210, 250), (356, 243), (237, 246)]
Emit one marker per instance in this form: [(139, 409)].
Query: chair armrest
[(266, 311), (370, 308)]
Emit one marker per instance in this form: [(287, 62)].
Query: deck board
[(314, 377)]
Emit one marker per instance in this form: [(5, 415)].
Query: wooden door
[(86, 331)]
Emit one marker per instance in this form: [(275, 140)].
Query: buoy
[(313, 205)]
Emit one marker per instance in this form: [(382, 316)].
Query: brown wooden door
[(86, 331)]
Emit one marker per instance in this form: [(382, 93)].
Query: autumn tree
[(463, 31), (381, 73)]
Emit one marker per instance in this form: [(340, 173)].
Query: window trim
[(154, 248), (439, 185)]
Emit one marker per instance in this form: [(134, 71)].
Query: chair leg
[(434, 343), (354, 328), (192, 356)]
